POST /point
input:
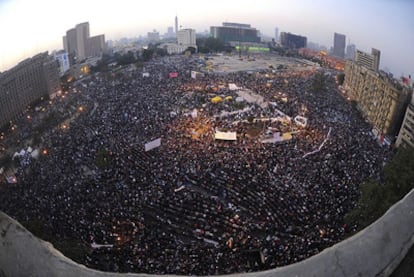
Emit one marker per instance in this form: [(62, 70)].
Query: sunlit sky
[(28, 27)]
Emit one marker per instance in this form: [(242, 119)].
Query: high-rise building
[(79, 45), (406, 134), (187, 38), (25, 83), (381, 99), (339, 45), (370, 61), (377, 55), (82, 35), (276, 34), (176, 24), (169, 33), (292, 41), (235, 33), (350, 51), (95, 46)]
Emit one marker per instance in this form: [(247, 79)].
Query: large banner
[(225, 135), (173, 74), (196, 74), (152, 144)]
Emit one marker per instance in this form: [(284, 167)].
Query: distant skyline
[(29, 27)]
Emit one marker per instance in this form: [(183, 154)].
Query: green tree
[(210, 44), (319, 82), (376, 198)]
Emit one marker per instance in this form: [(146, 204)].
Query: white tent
[(233, 86)]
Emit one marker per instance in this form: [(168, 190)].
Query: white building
[(173, 48), (153, 36), (187, 38)]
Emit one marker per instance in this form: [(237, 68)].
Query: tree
[(319, 82), (191, 49), (147, 54), (376, 198), (208, 45)]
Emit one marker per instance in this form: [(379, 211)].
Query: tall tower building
[(176, 24), (339, 45), (82, 35), (276, 34), (80, 45), (377, 55), (350, 51)]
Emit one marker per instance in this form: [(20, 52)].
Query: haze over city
[(36, 26)]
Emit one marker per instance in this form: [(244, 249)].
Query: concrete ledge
[(375, 251)]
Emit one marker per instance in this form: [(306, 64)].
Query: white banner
[(152, 144), (225, 135)]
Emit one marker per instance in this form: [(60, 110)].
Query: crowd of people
[(196, 205)]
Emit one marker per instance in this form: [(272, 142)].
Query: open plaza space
[(245, 167)]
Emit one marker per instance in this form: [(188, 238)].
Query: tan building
[(381, 100), (370, 61), (406, 135), (25, 83)]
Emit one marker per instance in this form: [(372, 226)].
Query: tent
[(228, 98)]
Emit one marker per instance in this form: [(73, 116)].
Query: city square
[(152, 175)]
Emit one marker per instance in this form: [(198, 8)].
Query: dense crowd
[(196, 205)]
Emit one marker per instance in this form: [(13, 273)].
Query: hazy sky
[(31, 26)]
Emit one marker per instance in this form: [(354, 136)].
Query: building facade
[(79, 45), (276, 34), (292, 41), (187, 37), (406, 135), (370, 61), (153, 36), (350, 52), (381, 100), (339, 45), (235, 32), (62, 58), (25, 83)]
